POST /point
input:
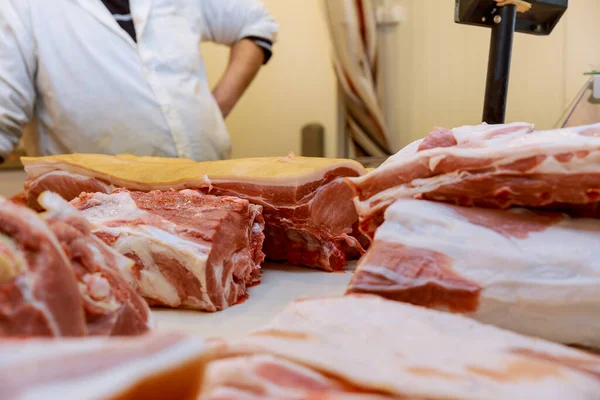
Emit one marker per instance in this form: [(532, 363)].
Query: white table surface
[(280, 284)]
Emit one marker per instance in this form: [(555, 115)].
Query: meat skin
[(309, 216)]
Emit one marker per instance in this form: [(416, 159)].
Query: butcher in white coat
[(125, 76)]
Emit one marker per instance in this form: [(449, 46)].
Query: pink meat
[(38, 291), (112, 306), (190, 250), (313, 224), (492, 166)]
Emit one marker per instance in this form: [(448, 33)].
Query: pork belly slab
[(190, 250), (492, 166), (39, 295), (155, 366), (537, 273), (366, 345), (309, 215)]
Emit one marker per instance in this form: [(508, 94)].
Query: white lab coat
[(92, 89)]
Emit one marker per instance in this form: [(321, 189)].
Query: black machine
[(535, 17)]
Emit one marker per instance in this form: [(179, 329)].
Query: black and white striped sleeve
[(266, 46)]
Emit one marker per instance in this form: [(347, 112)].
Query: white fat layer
[(547, 284), (55, 206)]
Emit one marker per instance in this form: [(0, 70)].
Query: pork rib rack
[(190, 250), (492, 166), (309, 216)]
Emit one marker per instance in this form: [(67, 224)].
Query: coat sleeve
[(227, 21), (17, 74)]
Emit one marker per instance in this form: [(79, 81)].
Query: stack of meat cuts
[(309, 216), (345, 348), (190, 250), (494, 166), (529, 270), (58, 279)]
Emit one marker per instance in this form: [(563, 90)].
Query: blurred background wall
[(441, 70)]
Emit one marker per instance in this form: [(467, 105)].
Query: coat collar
[(140, 9)]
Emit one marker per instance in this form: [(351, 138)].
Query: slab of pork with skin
[(537, 273), (39, 295), (366, 344), (190, 250), (154, 366), (495, 166), (309, 216), (112, 306)]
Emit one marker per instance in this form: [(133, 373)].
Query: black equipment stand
[(504, 22)]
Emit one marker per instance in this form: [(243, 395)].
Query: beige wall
[(441, 75), (295, 88), (445, 64)]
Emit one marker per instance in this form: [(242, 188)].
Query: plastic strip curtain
[(353, 32)]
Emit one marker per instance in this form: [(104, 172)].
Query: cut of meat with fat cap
[(396, 349), (148, 367), (39, 295), (190, 250), (495, 166), (308, 210), (111, 304), (537, 273)]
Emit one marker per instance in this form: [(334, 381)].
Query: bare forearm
[(245, 60)]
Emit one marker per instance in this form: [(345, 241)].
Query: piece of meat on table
[(309, 215), (38, 291), (537, 273), (190, 250), (256, 377), (112, 306), (153, 366), (387, 348), (492, 166)]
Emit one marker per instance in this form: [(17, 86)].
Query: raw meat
[(112, 307), (155, 366), (257, 377), (190, 250), (496, 166), (535, 273), (379, 346), (38, 291), (308, 210)]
